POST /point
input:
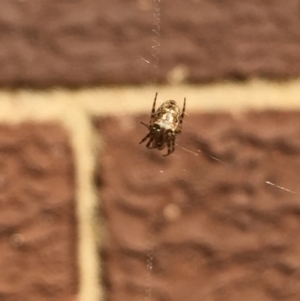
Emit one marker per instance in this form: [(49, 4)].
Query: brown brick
[(214, 226), (37, 214), (46, 43)]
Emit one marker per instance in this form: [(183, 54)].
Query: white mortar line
[(235, 97), (73, 110), (42, 107)]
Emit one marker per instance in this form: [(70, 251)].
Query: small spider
[(164, 125)]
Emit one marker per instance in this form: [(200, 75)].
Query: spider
[(164, 125)]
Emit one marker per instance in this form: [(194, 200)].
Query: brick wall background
[(87, 213), (88, 42)]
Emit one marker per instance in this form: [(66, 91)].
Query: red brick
[(37, 214), (50, 42), (215, 228)]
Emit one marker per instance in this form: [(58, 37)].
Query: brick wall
[(87, 213), (88, 42)]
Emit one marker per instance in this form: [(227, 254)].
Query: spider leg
[(173, 144), (179, 127), (153, 110), (161, 147), (149, 142), (145, 138), (169, 143), (152, 113), (146, 125), (169, 150)]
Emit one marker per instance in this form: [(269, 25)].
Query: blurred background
[(89, 214)]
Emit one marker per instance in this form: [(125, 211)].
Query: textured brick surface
[(54, 42), (216, 229), (37, 216)]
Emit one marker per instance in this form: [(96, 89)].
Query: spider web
[(156, 48), (185, 149), (181, 148)]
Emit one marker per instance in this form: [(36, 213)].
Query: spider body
[(164, 125)]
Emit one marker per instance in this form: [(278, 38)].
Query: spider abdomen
[(164, 125), (168, 115)]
